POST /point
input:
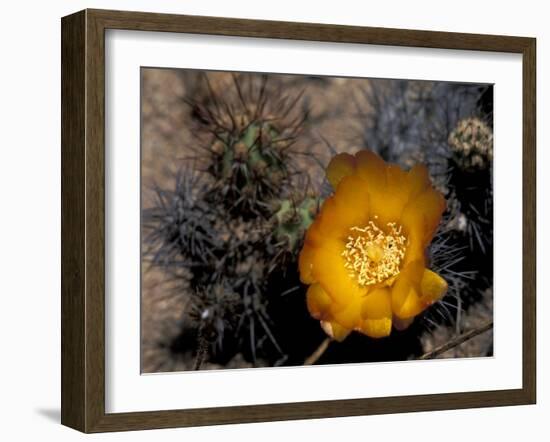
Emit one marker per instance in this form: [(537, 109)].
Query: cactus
[(470, 180), (293, 219), (180, 225), (239, 220), (247, 139)]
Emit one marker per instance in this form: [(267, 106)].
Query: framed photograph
[(265, 221)]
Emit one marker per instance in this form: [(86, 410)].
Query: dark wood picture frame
[(83, 220)]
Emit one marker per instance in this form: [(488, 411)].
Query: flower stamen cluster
[(372, 256)]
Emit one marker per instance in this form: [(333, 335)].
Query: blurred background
[(222, 225)]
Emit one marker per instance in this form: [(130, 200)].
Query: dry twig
[(314, 357), (457, 341)]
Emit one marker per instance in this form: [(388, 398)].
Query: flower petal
[(406, 291), (352, 201), (402, 324), (335, 330), (432, 287), (376, 311), (396, 195), (419, 180), (318, 302), (314, 237), (340, 166), (329, 270), (422, 215), (416, 250), (332, 222), (411, 305), (325, 225), (349, 315), (372, 169), (305, 264)]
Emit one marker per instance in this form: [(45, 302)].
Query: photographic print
[(291, 220)]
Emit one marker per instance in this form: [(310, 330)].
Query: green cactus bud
[(294, 219)]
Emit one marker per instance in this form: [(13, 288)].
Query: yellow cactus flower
[(364, 256)]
